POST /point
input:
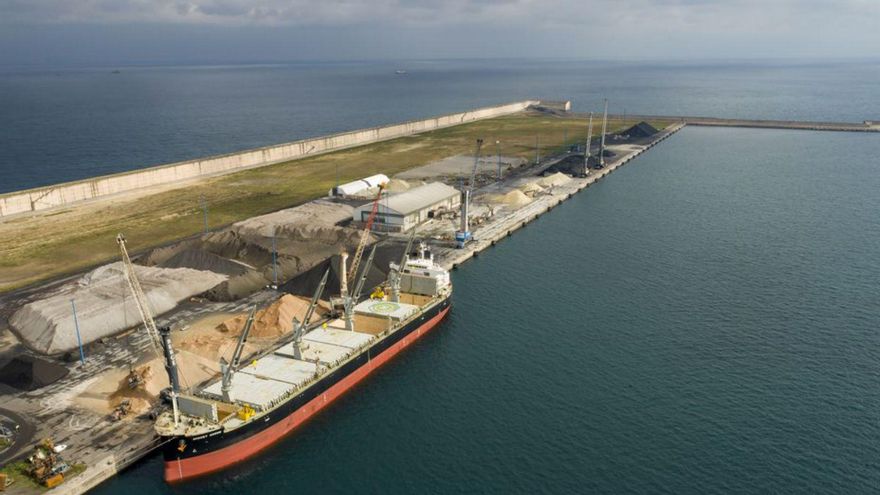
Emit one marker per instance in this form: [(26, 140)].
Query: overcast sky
[(52, 32)]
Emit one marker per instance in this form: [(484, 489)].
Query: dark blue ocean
[(66, 124)]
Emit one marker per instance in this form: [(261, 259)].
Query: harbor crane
[(602, 143), (365, 237), (463, 235), (587, 149), (228, 368), (160, 338)]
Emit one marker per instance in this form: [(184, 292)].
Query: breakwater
[(45, 198), (803, 125)]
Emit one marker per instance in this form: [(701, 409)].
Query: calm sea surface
[(67, 124), (705, 320)]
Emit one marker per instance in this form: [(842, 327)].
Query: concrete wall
[(44, 198)]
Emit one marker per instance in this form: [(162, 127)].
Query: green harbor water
[(704, 320)]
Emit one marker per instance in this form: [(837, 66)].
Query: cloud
[(700, 15), (295, 29)]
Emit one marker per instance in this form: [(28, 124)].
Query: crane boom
[(463, 234), (476, 164), (589, 142), (397, 270), (228, 368), (140, 298), (365, 237), (242, 340), (366, 271), (315, 298)]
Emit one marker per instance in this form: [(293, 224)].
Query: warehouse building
[(401, 212)]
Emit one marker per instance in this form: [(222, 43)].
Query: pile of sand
[(557, 179), (368, 194), (244, 251), (111, 388), (515, 198), (104, 304), (314, 213), (303, 237), (299, 248), (275, 320), (217, 335), (531, 189), (188, 255), (397, 186)]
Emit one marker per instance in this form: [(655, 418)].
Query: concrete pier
[(491, 233)]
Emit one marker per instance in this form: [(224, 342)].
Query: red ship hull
[(183, 468)]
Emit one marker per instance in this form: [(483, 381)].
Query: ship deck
[(269, 380)]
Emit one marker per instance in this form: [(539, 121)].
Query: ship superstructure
[(257, 401)]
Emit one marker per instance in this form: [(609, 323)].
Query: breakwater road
[(865, 126)]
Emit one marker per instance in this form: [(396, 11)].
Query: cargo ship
[(258, 400)]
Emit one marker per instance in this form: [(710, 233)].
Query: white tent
[(354, 187)]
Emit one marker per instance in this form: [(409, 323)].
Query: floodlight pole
[(82, 356), (204, 203), (274, 259), (498, 153)]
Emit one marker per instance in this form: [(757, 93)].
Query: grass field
[(61, 242)]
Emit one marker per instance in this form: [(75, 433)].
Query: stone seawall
[(44, 198)]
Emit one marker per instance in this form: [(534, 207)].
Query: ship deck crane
[(365, 236), (350, 300), (160, 338), (228, 369), (463, 235), (299, 329), (397, 270)]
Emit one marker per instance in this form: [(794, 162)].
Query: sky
[(104, 32)]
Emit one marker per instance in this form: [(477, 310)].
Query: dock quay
[(493, 232)]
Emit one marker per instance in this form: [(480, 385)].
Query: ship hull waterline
[(212, 452)]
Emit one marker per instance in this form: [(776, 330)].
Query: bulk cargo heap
[(253, 405)]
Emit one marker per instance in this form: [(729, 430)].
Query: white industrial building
[(401, 212), (354, 187)]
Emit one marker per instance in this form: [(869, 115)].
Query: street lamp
[(498, 153)]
